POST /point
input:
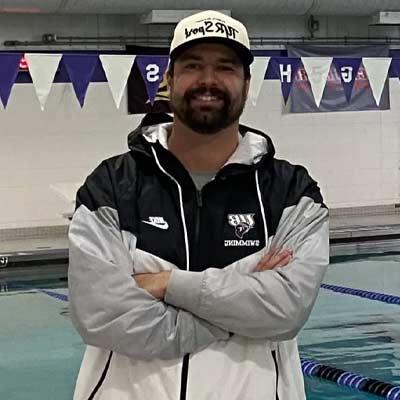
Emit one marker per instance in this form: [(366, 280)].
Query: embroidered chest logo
[(242, 223), (158, 222)]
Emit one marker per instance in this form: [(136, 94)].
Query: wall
[(58, 146), (354, 156)]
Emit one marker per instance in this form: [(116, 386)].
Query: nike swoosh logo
[(162, 226)]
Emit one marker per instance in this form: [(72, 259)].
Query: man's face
[(208, 89)]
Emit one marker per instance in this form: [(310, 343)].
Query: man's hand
[(156, 284), (274, 258)]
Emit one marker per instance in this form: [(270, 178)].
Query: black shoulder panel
[(283, 185), (302, 185), (99, 188)]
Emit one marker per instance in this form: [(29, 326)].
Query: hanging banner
[(285, 69), (334, 96), (395, 67), (138, 99), (117, 68), (257, 71), (80, 68), (152, 70), (352, 83), (317, 69), (42, 68), (347, 68), (377, 70), (9, 66)]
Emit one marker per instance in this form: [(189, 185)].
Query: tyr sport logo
[(210, 26)]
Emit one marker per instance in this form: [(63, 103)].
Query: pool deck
[(348, 234), (361, 226), (367, 234)]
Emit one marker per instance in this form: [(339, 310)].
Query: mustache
[(204, 91)]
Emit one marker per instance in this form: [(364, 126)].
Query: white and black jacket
[(223, 332)]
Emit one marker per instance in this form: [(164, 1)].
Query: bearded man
[(196, 257)]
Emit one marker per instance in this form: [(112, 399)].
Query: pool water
[(318, 389), (41, 352), (353, 333)]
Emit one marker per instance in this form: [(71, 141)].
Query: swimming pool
[(41, 353), (355, 333)]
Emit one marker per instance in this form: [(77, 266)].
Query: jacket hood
[(254, 145)]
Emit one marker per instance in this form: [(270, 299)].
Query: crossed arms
[(156, 283), (254, 297), (113, 311)]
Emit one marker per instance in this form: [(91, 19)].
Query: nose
[(208, 76)]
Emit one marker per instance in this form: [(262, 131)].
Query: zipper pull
[(199, 198)]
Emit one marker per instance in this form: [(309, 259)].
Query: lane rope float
[(354, 381), (382, 297)]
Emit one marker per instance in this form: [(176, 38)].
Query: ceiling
[(238, 7)]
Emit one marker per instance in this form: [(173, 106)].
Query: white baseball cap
[(211, 26)]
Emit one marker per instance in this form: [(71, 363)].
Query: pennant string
[(82, 67)]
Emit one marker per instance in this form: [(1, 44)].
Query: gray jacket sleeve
[(109, 310), (271, 304)]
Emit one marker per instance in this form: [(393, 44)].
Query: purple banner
[(347, 68), (396, 66), (80, 68), (336, 95), (152, 69), (9, 67), (138, 99), (285, 69)]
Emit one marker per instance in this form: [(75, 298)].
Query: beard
[(208, 120)]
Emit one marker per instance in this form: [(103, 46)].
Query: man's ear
[(169, 78), (247, 85)]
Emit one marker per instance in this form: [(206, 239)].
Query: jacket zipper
[(186, 359), (199, 203), (184, 376), (276, 373), (102, 378)]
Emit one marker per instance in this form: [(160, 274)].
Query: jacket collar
[(253, 144)]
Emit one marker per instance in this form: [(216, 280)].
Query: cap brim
[(243, 52)]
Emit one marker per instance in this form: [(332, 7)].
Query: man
[(175, 281)]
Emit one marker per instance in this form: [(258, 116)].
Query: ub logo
[(242, 223)]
